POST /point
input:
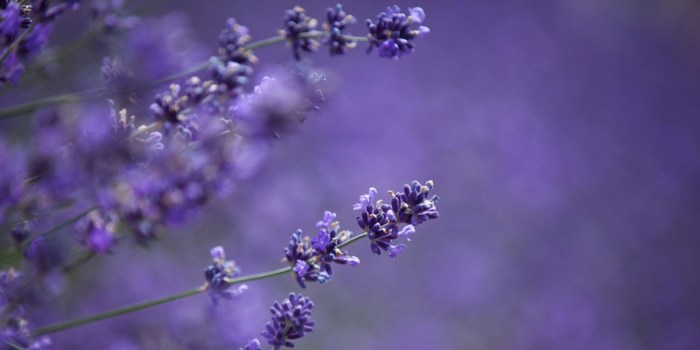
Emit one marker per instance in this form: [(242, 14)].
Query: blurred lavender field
[(563, 138)]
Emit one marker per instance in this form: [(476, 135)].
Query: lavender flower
[(169, 106), (383, 224), (311, 258), (290, 320), (218, 275), (413, 205), (230, 76), (337, 20), (296, 23), (97, 231), (232, 41), (392, 34)]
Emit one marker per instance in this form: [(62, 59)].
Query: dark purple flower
[(392, 34), (312, 258), (232, 42), (414, 205), (291, 320), (385, 223), (337, 20), (218, 275), (296, 23), (299, 254)]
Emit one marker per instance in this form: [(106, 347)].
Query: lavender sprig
[(227, 280)]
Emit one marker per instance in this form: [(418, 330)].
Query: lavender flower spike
[(392, 33), (337, 20), (296, 22), (217, 274), (384, 223), (290, 320)]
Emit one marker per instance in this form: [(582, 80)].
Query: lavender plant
[(95, 179)]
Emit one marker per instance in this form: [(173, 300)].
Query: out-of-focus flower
[(296, 23), (97, 231), (253, 345), (14, 331), (392, 34), (290, 320), (232, 40), (337, 20), (112, 15), (218, 273)]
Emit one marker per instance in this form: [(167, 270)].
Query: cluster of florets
[(290, 320), (219, 274), (296, 24), (311, 258), (393, 34), (384, 223), (337, 39), (232, 41)]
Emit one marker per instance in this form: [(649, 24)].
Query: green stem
[(148, 304), (116, 312), (72, 97), (352, 240), (68, 222)]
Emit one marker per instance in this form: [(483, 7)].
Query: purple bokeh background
[(563, 141)]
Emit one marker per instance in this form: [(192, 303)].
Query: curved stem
[(68, 222), (77, 96), (116, 312), (148, 304)]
